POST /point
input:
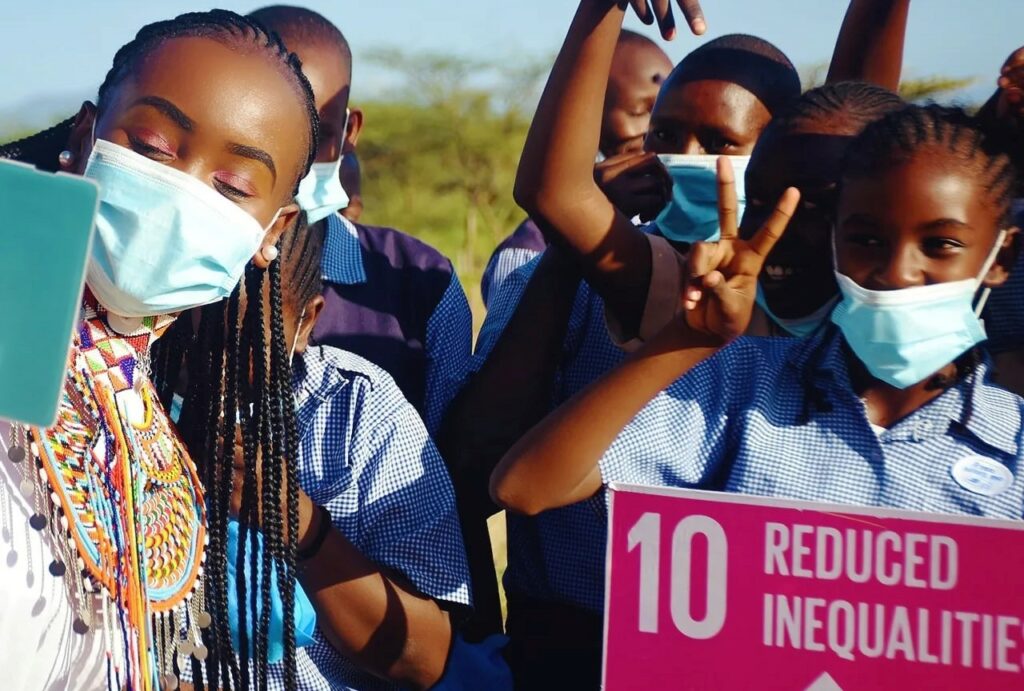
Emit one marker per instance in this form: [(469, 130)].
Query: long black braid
[(227, 345), (42, 149), (220, 355)]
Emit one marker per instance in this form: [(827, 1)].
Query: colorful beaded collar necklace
[(121, 498)]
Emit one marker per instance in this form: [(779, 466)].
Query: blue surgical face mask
[(692, 213), (904, 336), (799, 326), (165, 241), (304, 615), (320, 192)]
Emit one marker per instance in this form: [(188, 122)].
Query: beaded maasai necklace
[(121, 498)]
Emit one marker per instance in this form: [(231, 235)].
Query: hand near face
[(636, 183), (722, 286)]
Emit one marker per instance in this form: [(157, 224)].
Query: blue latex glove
[(474, 666), (305, 615)]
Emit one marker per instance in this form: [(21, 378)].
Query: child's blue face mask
[(165, 241), (692, 213), (305, 615), (797, 326), (904, 336), (320, 192)]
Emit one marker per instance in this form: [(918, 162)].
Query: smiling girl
[(892, 405)]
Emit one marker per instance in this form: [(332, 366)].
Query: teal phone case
[(46, 226)]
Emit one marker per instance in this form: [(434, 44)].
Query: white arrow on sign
[(824, 683)]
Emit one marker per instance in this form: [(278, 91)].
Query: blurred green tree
[(440, 152)]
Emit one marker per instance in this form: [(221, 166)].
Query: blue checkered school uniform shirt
[(545, 557), (779, 417), (367, 458), (445, 342), (745, 421)]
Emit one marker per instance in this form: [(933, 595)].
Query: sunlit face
[(227, 117), (706, 116), (923, 222), (637, 72)]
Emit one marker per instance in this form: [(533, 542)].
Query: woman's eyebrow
[(172, 111), (255, 154)]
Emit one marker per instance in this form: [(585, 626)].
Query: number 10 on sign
[(646, 537)]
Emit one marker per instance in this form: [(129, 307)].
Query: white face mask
[(295, 339), (165, 242), (320, 192)]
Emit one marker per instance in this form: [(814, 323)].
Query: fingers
[(694, 16), (765, 238), (1016, 58), (643, 11), (1012, 77), (620, 163), (728, 205), (666, 20), (703, 258)]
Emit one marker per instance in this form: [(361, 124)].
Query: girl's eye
[(863, 240), (942, 245)]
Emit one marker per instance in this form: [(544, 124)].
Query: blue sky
[(64, 50)]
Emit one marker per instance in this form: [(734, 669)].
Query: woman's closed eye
[(233, 187), (151, 146)]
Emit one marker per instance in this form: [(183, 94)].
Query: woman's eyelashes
[(233, 187), (151, 146)]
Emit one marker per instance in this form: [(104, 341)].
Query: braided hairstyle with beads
[(229, 344)]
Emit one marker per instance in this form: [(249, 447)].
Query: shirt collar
[(988, 412), (314, 381), (343, 254)]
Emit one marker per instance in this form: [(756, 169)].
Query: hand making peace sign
[(719, 297)]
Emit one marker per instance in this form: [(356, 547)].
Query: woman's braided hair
[(220, 355)]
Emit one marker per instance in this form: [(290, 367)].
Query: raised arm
[(555, 181), (870, 44), (556, 464)]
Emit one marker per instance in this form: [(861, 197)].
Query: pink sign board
[(709, 590)]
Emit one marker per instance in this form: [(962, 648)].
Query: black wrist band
[(318, 539)]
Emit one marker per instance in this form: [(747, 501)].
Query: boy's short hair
[(299, 24), (752, 62)]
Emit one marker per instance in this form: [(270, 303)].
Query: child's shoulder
[(402, 249), (334, 369)]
